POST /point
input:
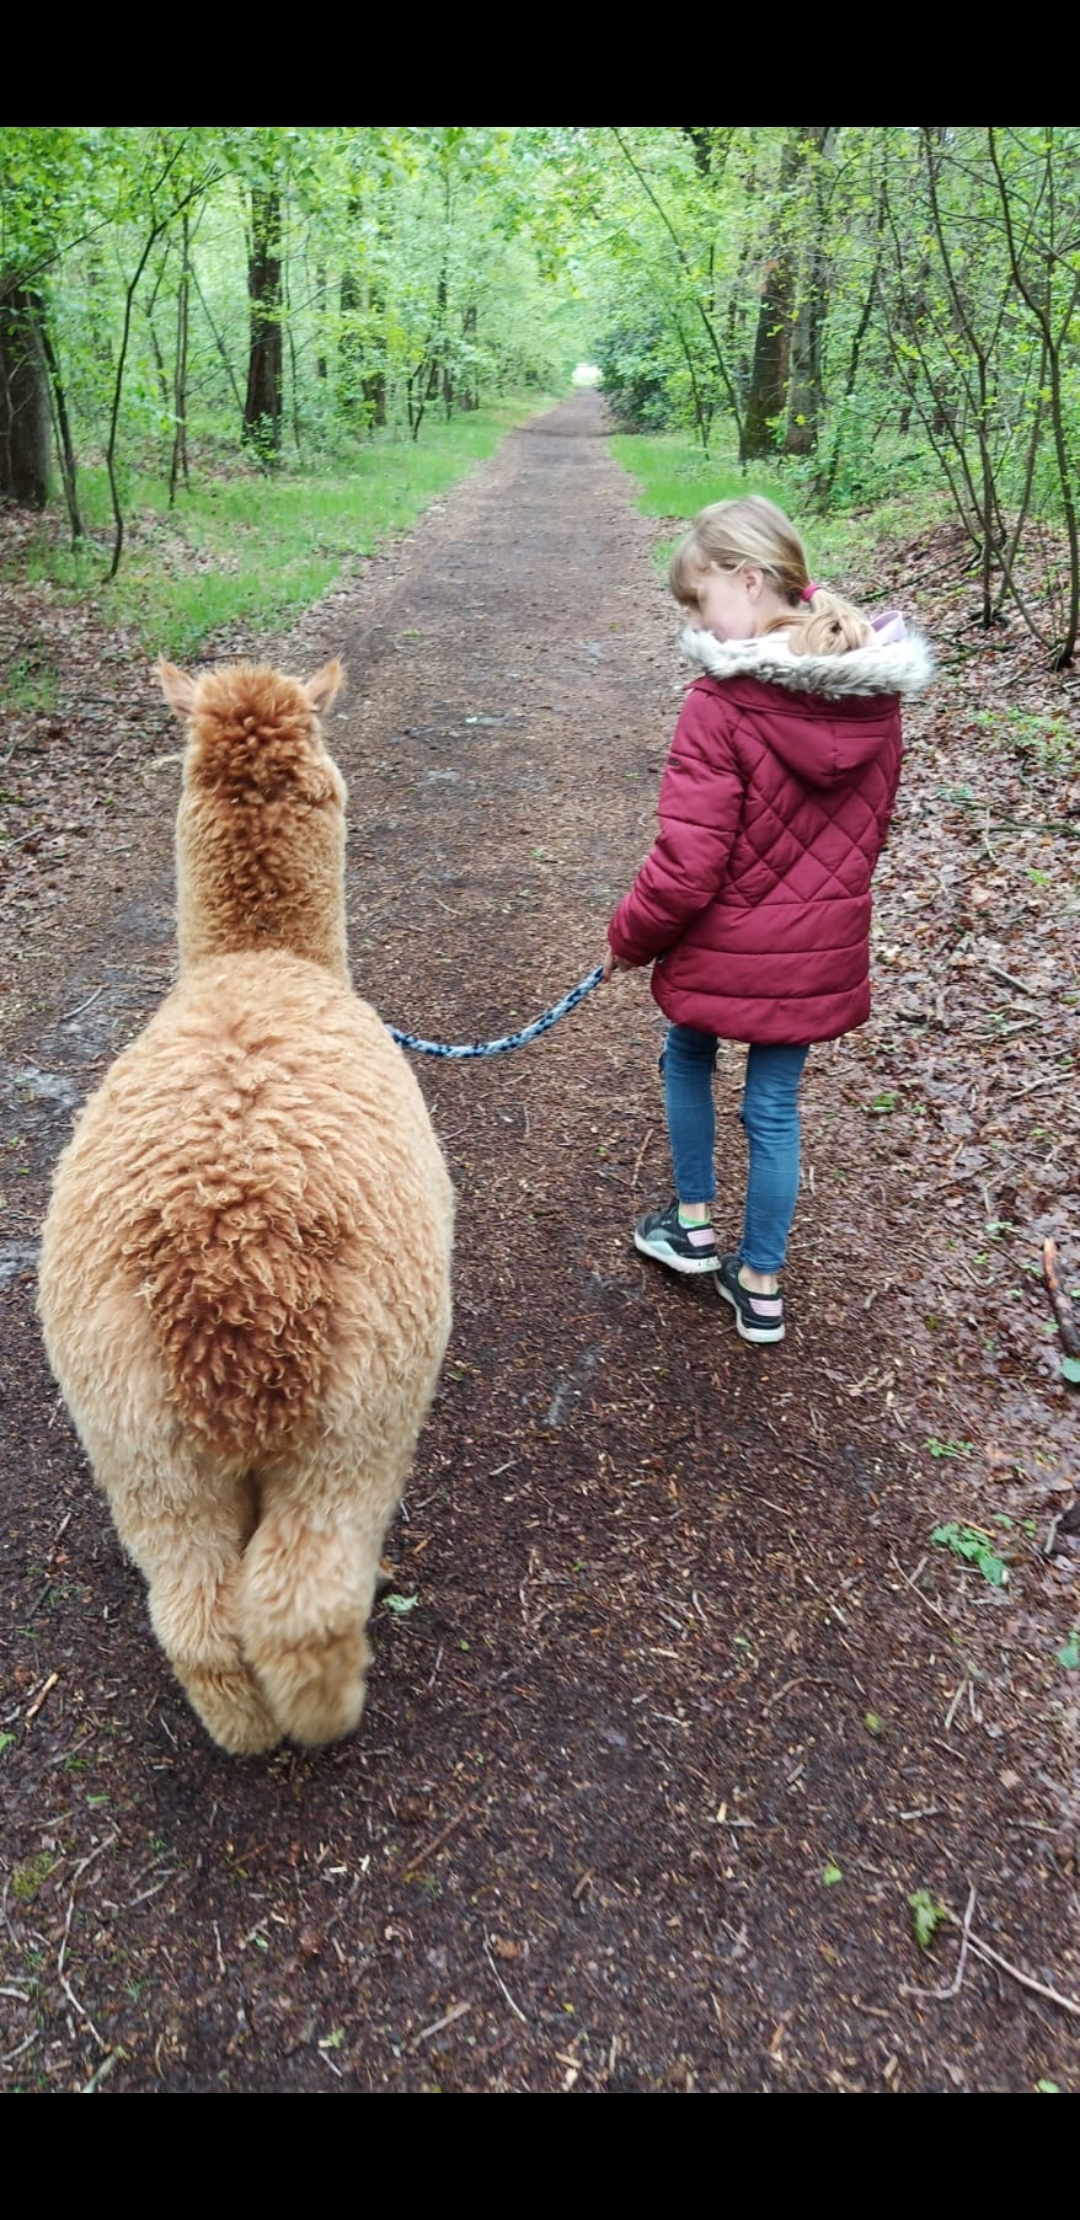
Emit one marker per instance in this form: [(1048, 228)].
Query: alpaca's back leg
[(185, 1520), (309, 1580)]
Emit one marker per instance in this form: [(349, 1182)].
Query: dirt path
[(668, 1717)]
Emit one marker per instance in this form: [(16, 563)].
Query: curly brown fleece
[(244, 1281)]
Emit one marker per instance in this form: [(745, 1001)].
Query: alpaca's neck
[(247, 882)]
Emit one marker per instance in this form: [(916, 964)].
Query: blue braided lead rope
[(542, 1024)]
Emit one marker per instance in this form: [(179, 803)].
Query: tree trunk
[(62, 433), (440, 376), (262, 405), (826, 478), (766, 402), (24, 399), (179, 464), (470, 398), (321, 365), (375, 385), (350, 347), (804, 398)]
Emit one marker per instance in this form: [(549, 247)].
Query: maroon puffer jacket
[(754, 903)]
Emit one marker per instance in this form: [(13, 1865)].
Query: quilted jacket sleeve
[(701, 801)]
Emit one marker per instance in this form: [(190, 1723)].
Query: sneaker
[(681, 1248), (758, 1317)]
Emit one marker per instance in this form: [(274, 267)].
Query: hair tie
[(808, 593)]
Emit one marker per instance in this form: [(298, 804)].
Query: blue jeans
[(770, 1115)]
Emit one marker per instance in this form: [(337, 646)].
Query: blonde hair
[(729, 534)]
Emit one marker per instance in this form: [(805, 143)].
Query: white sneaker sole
[(761, 1336), (675, 1263)]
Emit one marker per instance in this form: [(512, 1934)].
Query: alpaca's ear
[(177, 687), (325, 686)]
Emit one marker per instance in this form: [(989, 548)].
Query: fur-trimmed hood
[(890, 666)]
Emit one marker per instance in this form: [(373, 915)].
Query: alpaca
[(245, 1267)]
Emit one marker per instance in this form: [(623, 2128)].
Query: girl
[(753, 905)]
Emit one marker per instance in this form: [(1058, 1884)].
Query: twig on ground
[(80, 1869), (941, 1996), (20, 2047), (911, 1579), (984, 1950), (1007, 980), (1026, 1980), (101, 2073), (515, 2008), (456, 2012), (1016, 1093), (44, 1691), (640, 1154), (437, 1841), (64, 1938), (82, 2012), (78, 1011)]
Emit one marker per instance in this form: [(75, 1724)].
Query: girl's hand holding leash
[(612, 962)]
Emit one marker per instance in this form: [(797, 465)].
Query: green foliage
[(635, 366), (248, 548), (926, 1916), (28, 1878), (30, 684), (677, 481), (917, 288), (413, 282), (970, 1543), (1069, 1655), (1046, 741)]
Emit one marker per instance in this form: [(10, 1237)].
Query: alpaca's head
[(260, 837)]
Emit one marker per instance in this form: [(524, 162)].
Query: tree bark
[(804, 397), (62, 433), (766, 402), (321, 365), (179, 464), (470, 395), (350, 347), (262, 404), (24, 398)]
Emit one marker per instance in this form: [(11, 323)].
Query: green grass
[(675, 480), (31, 683), (249, 548)]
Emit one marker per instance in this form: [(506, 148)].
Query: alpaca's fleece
[(258, 1169), (244, 1279), (260, 835)]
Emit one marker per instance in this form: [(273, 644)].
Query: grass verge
[(675, 480), (248, 548)]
